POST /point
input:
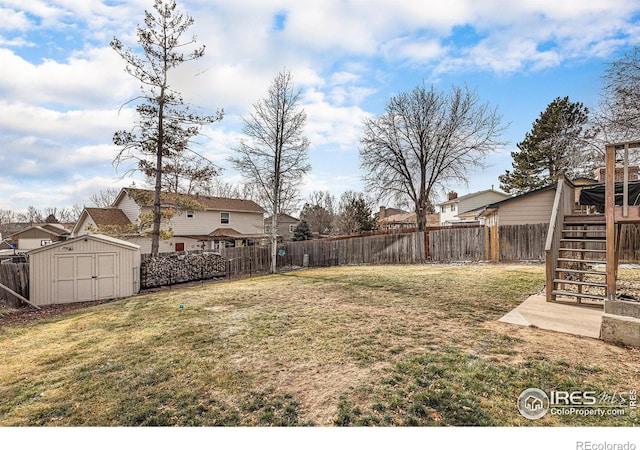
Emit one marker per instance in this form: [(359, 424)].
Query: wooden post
[(18, 296), (610, 193)]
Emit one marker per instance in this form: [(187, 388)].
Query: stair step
[(576, 294), (585, 219), (585, 272), (580, 283), (589, 230), (585, 261), (564, 249), (585, 240)]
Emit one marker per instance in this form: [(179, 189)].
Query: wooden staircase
[(580, 269)]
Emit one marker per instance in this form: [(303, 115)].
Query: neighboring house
[(454, 207), (7, 229), (39, 235), (403, 220), (199, 222), (525, 209), (286, 226)]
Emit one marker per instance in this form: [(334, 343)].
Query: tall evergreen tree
[(355, 214), (553, 146), (302, 232), (166, 125)]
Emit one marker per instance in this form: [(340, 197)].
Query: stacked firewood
[(176, 268)]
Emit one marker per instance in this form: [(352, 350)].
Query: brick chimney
[(382, 213), (452, 195)]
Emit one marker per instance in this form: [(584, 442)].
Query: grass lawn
[(369, 345)]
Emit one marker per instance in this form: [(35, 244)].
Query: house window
[(179, 246), (224, 218), (267, 229), (292, 228), (44, 242), (190, 214), (453, 208)]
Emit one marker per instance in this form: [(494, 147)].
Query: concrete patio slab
[(571, 318)]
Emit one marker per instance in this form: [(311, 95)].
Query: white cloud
[(13, 20), (96, 78), (39, 121), (330, 126)]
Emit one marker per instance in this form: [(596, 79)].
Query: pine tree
[(553, 146), (166, 125), (302, 232)]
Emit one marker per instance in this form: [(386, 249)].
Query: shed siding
[(531, 209), (42, 267)]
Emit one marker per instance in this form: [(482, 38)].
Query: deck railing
[(563, 205)]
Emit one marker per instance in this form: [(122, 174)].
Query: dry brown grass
[(390, 345)]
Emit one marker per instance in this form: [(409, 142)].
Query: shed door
[(106, 275), (85, 277)]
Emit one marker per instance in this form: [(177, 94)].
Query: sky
[(64, 91)]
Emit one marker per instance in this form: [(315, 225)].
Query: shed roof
[(95, 237)]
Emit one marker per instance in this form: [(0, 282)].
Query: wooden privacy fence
[(16, 278), (399, 248), (522, 242), (458, 244), (247, 260)]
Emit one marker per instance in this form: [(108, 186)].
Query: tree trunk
[(157, 212), (274, 241)]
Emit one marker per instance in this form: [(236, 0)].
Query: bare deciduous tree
[(320, 212), (426, 139), (184, 173), (104, 198), (273, 157), (166, 125), (620, 101)]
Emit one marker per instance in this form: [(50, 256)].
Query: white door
[(85, 277)]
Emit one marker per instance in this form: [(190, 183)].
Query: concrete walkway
[(571, 318)]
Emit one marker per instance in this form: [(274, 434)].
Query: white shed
[(89, 267)]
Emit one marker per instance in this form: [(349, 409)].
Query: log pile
[(166, 270)]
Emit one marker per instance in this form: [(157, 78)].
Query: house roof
[(108, 216), (7, 229), (283, 216), (225, 232), (53, 229), (400, 218), (144, 197), (471, 195)]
